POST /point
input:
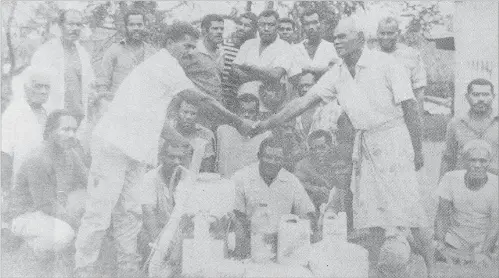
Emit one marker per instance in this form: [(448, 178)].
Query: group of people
[(299, 127)]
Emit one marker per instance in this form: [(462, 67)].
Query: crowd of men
[(301, 127)]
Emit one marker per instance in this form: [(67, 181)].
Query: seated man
[(48, 201), (325, 168), (158, 191), (236, 151), (295, 145), (186, 124), (265, 182), (468, 211)]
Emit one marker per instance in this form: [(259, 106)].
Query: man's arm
[(265, 74), (449, 156), (212, 107), (413, 122), (492, 233), (104, 78)]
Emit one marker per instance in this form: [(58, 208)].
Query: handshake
[(251, 128)]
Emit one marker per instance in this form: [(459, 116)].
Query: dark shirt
[(73, 98), (42, 175), (204, 73)]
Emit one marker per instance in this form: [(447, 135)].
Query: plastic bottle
[(262, 249), (334, 227)]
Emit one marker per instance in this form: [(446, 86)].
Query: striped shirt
[(229, 85)]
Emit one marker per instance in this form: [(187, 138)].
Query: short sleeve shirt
[(277, 54), (137, 114), (472, 209), (411, 59), (373, 97), (284, 196), (324, 55)]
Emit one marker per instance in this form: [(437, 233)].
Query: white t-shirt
[(324, 55), (137, 114), (473, 210)]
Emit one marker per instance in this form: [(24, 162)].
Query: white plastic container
[(293, 246), (262, 232), (334, 227)]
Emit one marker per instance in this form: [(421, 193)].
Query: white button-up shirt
[(324, 55), (278, 54), (373, 96), (137, 114), (285, 194), (22, 132)]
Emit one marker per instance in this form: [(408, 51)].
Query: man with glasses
[(74, 76)]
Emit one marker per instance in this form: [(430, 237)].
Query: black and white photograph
[(249, 139)]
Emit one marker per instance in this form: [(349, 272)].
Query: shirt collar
[(282, 176), (201, 48)]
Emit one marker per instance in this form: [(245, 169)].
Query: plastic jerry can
[(293, 240), (262, 236), (334, 227)]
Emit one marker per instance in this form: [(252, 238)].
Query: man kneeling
[(48, 200)]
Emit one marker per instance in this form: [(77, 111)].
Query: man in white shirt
[(24, 120), (387, 34), (314, 54), (212, 30), (126, 140), (267, 58), (377, 97)]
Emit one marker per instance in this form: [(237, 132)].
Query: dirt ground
[(21, 263)]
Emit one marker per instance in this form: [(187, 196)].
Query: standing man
[(212, 31), (23, 123), (388, 34), (314, 55), (380, 104), (72, 84), (246, 27), (121, 58), (479, 123), (126, 140), (267, 58), (286, 29)]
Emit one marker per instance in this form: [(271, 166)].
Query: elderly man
[(246, 26), (48, 201), (388, 33), (23, 123), (74, 75), (378, 100), (286, 29), (266, 58), (187, 125), (314, 54), (121, 58), (265, 182), (468, 210), (479, 123), (121, 149)]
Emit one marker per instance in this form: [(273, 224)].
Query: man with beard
[(126, 141), (314, 54), (48, 201), (387, 34), (212, 31), (121, 58), (72, 85), (186, 124), (325, 168), (267, 58), (266, 182), (481, 122), (467, 221), (286, 29), (246, 26)]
